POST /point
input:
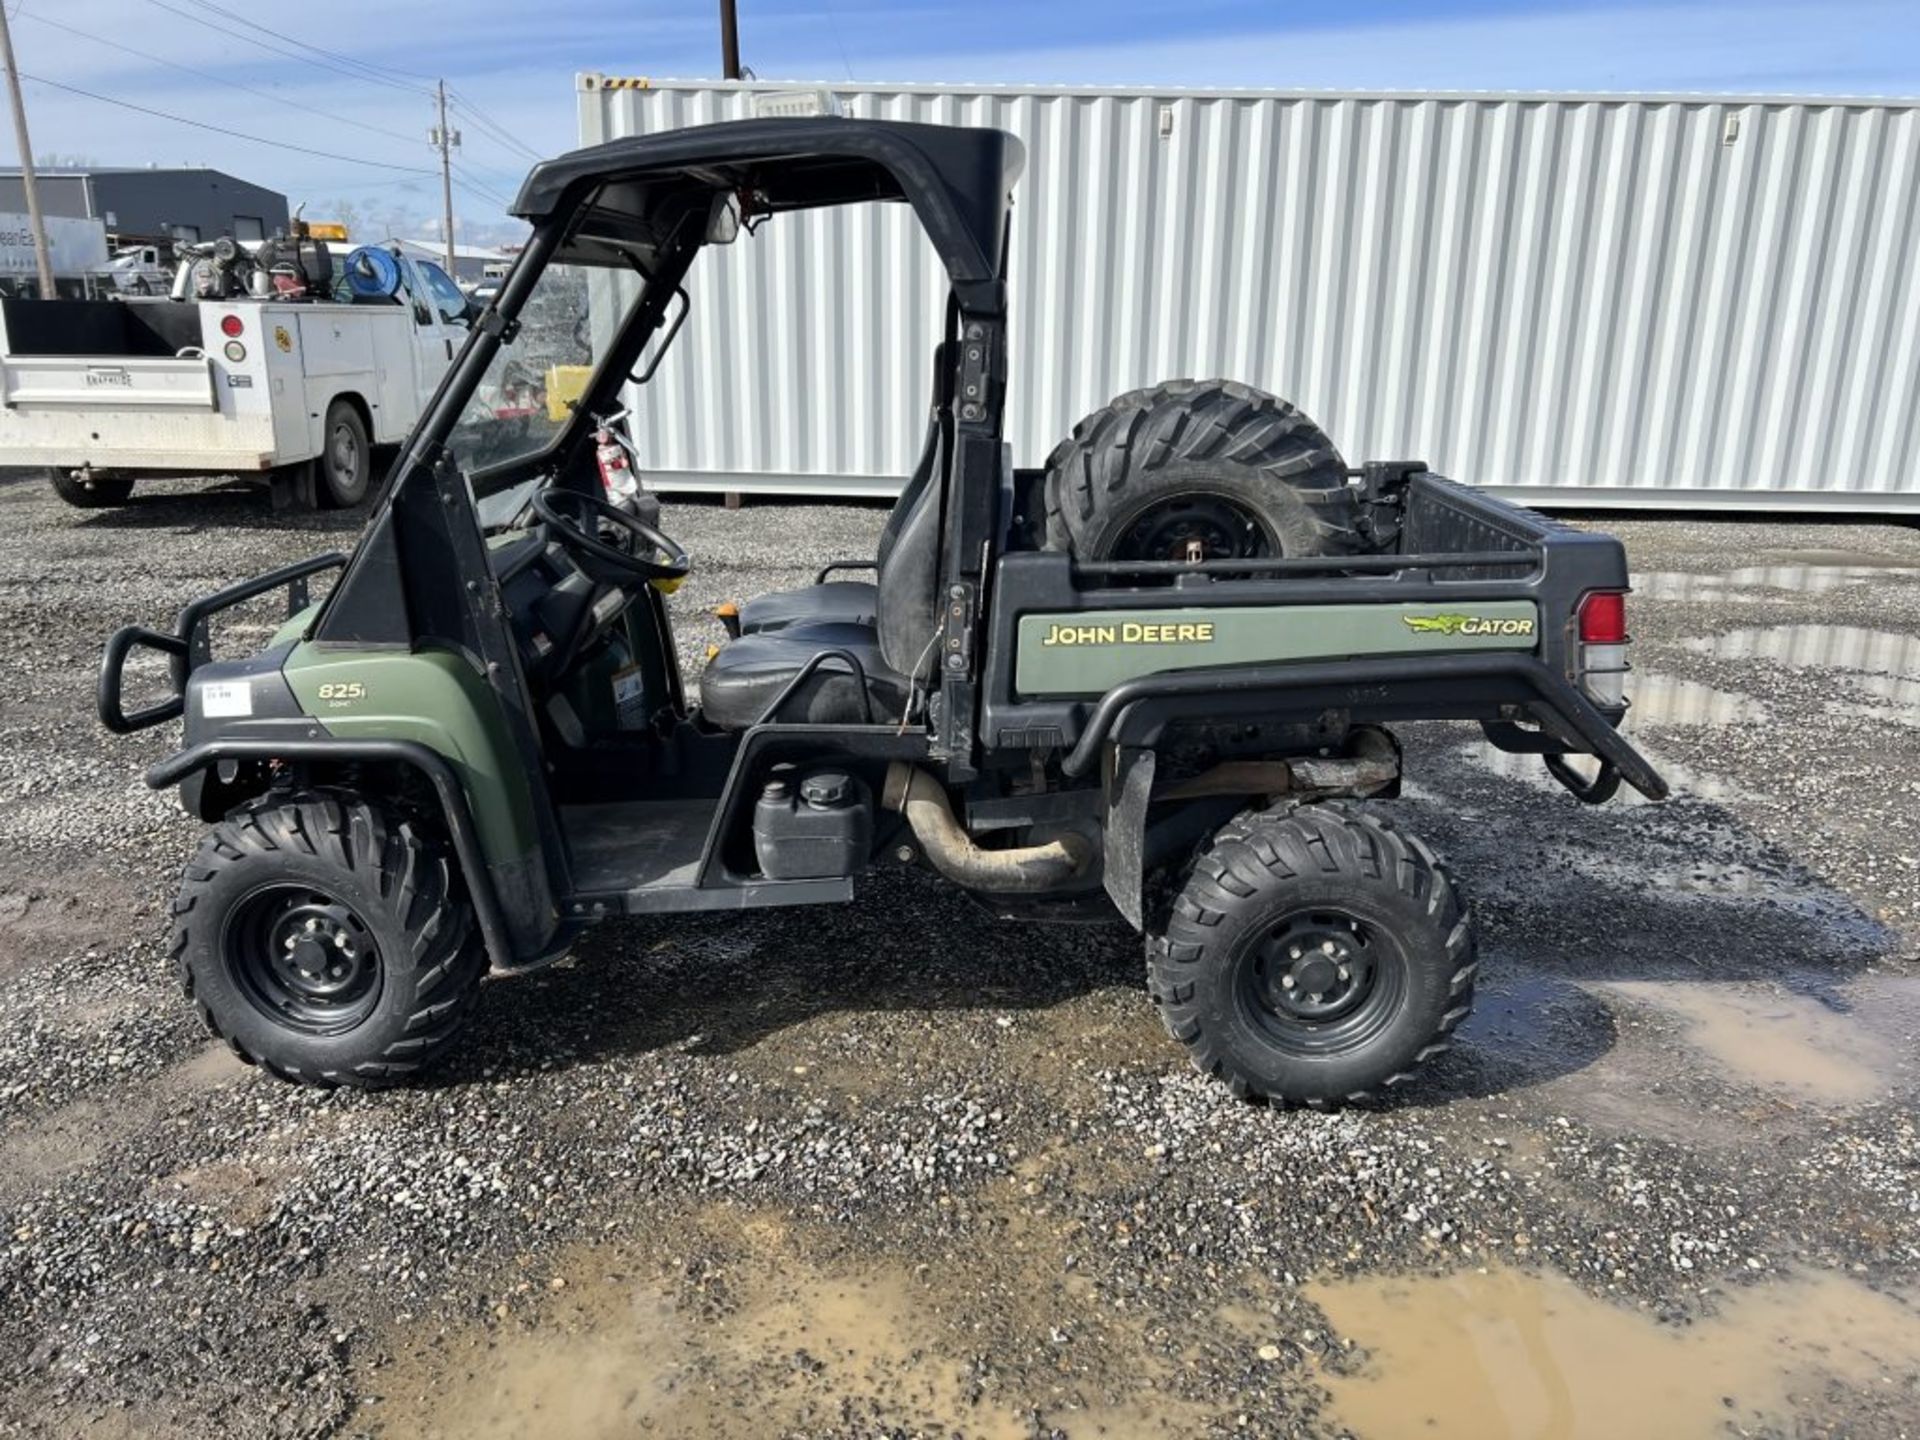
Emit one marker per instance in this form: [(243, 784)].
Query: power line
[(273, 49), (222, 80), (333, 55), (494, 128), (358, 184), (475, 184), (833, 19), (465, 186), (221, 129)]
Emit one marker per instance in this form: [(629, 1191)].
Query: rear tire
[(95, 493), (1315, 956), (1214, 464), (345, 462), (327, 941)]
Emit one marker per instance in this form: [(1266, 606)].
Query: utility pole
[(729, 41), (28, 182), (443, 140)]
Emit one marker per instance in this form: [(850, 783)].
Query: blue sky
[(515, 62)]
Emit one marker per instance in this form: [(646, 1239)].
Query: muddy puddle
[(625, 1359), (1882, 664), (1830, 647), (1487, 1355), (1776, 1039), (756, 1338), (1806, 572)]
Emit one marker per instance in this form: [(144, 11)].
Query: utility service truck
[(294, 390)]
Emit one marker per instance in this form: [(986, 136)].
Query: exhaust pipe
[(919, 797)]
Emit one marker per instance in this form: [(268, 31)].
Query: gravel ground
[(902, 1169)]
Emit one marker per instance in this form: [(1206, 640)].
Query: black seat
[(853, 602), (744, 679), (830, 602), (748, 675)]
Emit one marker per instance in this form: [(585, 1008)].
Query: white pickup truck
[(102, 393)]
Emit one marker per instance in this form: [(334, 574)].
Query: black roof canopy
[(956, 178)]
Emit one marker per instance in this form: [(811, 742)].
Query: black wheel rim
[(303, 959), (1194, 527), (1321, 982)]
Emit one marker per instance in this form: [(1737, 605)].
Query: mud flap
[(294, 487), (1129, 788)]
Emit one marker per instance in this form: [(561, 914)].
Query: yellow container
[(565, 385)]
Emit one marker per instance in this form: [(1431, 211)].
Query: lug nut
[(1286, 982), (1342, 972)]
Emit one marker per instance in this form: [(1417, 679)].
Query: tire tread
[(1283, 844), (412, 874)]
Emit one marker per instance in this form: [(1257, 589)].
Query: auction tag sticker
[(226, 699)]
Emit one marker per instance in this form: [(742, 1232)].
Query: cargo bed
[(1466, 610)]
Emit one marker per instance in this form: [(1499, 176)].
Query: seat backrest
[(907, 604)]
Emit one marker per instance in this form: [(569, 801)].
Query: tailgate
[(167, 383)]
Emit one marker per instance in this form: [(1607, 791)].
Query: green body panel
[(438, 699), (295, 626), (1089, 652)]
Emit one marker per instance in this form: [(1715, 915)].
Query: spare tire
[(1208, 469)]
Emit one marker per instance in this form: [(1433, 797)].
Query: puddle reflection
[(1813, 572)]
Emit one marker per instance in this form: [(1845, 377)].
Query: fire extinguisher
[(616, 467)]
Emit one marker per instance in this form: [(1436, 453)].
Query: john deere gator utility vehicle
[(1149, 681)]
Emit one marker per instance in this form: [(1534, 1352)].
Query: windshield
[(522, 402)]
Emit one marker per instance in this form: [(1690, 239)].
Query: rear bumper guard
[(1554, 693), (188, 648)]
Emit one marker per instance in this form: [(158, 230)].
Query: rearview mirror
[(723, 221)]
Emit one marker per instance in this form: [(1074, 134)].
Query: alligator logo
[(1449, 623)]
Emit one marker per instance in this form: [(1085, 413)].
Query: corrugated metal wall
[(1590, 300)]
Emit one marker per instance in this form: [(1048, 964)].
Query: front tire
[(1315, 956), (327, 941), (346, 457), (96, 492)]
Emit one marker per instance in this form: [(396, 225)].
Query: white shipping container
[(1678, 301)]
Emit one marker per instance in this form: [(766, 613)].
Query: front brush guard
[(188, 647)]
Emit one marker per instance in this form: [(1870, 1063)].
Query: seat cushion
[(833, 602), (745, 677)]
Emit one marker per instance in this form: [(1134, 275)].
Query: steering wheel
[(571, 518)]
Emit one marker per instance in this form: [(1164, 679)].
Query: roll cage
[(420, 572)]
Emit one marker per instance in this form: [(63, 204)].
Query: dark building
[(141, 206)]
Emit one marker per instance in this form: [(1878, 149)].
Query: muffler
[(951, 851)]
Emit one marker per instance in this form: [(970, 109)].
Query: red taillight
[(231, 325), (1603, 618)]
